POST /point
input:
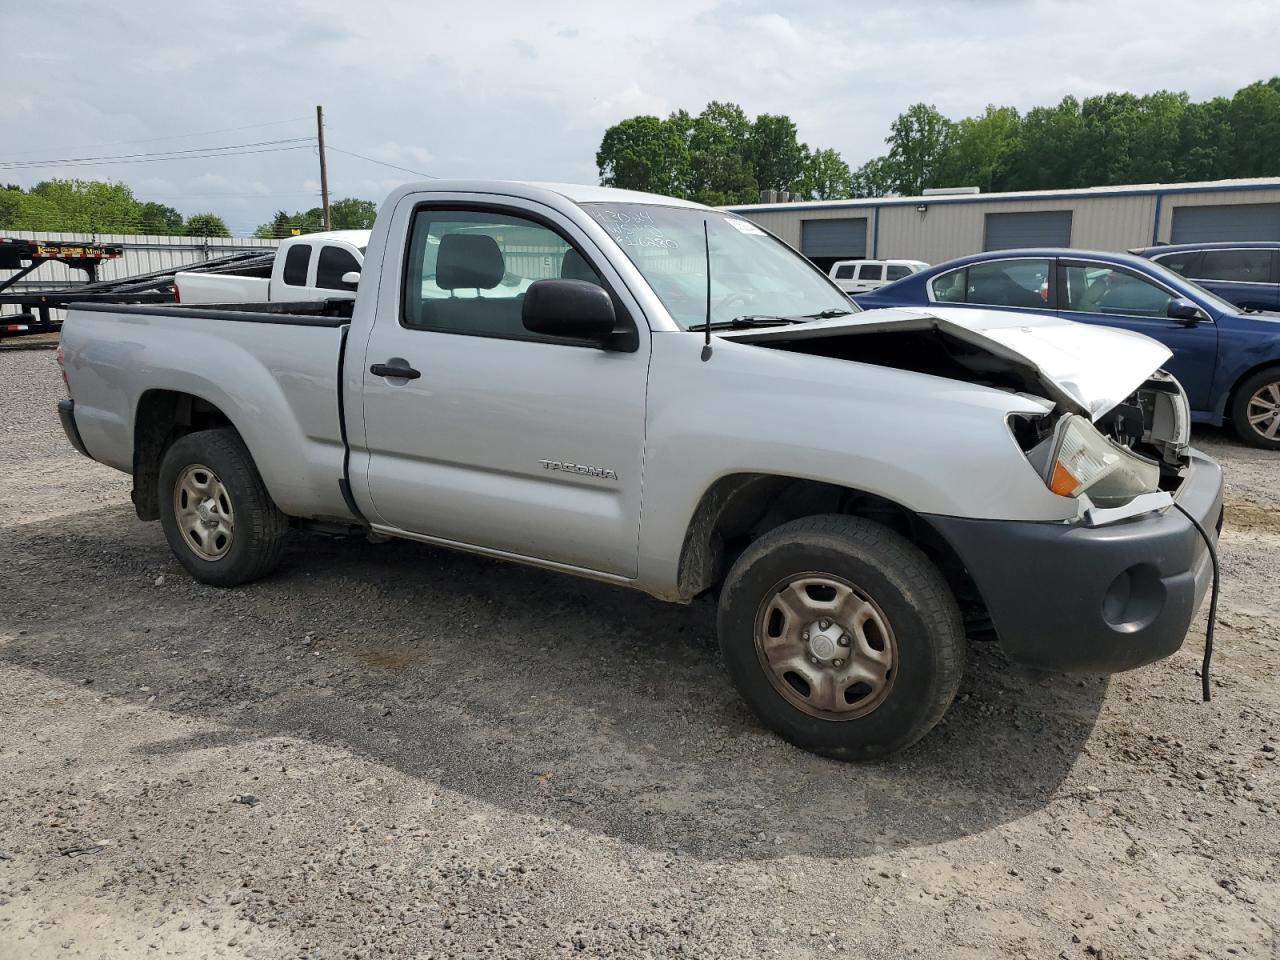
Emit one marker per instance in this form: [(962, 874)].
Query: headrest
[(469, 261), (575, 267)]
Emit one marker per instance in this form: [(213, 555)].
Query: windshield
[(1176, 280), (752, 274)]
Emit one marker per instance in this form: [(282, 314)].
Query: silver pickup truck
[(664, 396)]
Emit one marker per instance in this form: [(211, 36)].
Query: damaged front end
[(1130, 459), (1116, 434)]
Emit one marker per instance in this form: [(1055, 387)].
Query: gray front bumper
[(1094, 599)]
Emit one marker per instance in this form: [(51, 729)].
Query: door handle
[(402, 373)]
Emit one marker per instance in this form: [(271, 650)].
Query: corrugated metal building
[(939, 227)]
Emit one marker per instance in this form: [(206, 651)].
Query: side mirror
[(351, 279), (1180, 308), (574, 309)]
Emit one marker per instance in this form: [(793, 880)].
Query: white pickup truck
[(311, 267), (664, 396)]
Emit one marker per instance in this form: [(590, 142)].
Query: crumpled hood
[(1088, 368)]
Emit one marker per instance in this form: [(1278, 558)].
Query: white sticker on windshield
[(745, 226)]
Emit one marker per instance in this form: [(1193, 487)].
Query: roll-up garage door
[(1235, 221), (834, 239), (1044, 228)]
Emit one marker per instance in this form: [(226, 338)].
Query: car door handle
[(402, 373)]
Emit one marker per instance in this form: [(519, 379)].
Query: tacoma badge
[(579, 468)]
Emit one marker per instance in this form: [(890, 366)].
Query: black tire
[(259, 527), (1240, 408), (884, 568)]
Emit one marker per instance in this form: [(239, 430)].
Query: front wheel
[(217, 515), (841, 636), (1255, 411)]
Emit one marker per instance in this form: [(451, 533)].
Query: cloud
[(501, 90)]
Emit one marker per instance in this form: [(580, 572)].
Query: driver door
[(505, 440)]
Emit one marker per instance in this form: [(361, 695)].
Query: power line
[(209, 151), (174, 136), (176, 197), (117, 163), (361, 156)]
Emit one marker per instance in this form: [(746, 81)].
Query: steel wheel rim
[(1263, 411), (826, 646), (202, 508)]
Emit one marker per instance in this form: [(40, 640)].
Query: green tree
[(205, 225), (11, 198), (777, 158), (1206, 141), (1113, 138), (720, 167), (1255, 125), (981, 149), (80, 206), (825, 176), (918, 140), (1156, 136), (156, 218), (645, 153), (720, 156), (352, 214), (875, 178), (1052, 148)]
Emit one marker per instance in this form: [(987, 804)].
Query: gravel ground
[(397, 751)]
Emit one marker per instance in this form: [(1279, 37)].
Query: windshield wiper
[(769, 320), (751, 320)]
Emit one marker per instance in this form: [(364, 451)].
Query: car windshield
[(752, 274), (1176, 280)]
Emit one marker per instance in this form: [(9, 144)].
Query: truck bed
[(283, 395)]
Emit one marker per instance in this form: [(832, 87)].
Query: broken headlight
[(1077, 459)]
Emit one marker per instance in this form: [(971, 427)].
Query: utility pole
[(324, 170)]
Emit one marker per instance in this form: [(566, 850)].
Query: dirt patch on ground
[(392, 750), (1245, 517)]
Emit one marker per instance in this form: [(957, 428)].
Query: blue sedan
[(1228, 360)]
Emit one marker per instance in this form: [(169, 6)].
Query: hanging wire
[(172, 136), (195, 153), (382, 163)]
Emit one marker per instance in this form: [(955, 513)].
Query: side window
[(296, 262), (1095, 288), (845, 271), (950, 287), (872, 271), (333, 263), (468, 270), (1242, 266), (1184, 264), (1009, 283), (896, 271)]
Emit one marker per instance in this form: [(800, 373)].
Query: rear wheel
[(1255, 410), (841, 636), (217, 515)]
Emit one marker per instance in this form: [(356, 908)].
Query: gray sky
[(525, 90)]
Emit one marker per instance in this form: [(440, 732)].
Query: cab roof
[(533, 190)]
